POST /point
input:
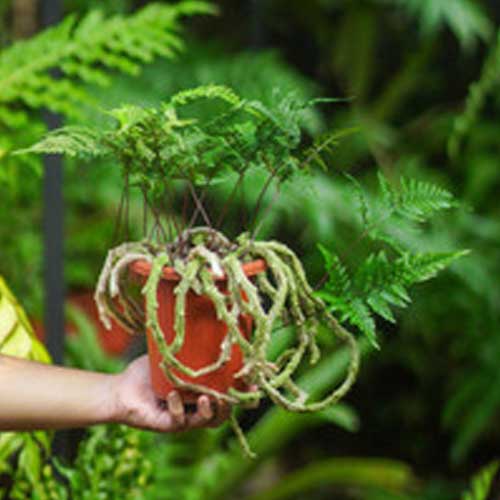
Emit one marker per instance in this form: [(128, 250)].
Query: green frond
[(179, 142), (425, 266), (481, 483), (80, 142), (378, 285), (221, 92), (358, 314), (384, 282), (339, 281), (364, 206), (85, 52), (415, 200)]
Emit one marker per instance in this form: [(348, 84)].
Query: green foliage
[(179, 142), (481, 483), (381, 281), (465, 18), (83, 350), (389, 476), (110, 464), (476, 98), (84, 53)]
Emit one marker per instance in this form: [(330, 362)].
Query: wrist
[(114, 410)]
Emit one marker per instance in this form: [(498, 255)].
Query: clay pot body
[(204, 334)]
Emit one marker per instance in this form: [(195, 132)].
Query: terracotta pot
[(204, 334)]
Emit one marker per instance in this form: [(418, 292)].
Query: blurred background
[(421, 79)]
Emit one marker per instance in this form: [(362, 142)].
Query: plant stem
[(199, 204), (268, 209), (230, 199), (262, 193)]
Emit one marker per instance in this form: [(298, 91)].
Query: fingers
[(209, 413), (204, 413), (175, 407)]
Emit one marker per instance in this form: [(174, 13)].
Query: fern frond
[(364, 206), (379, 284), (221, 92), (76, 142), (415, 200), (425, 266), (384, 283), (358, 314), (481, 483), (84, 52), (339, 281)]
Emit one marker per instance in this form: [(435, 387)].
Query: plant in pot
[(210, 303)]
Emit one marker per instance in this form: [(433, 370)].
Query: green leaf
[(338, 277), (342, 415), (414, 199), (481, 483), (30, 460)]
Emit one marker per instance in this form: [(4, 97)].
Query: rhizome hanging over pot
[(210, 305)]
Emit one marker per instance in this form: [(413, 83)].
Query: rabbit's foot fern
[(280, 295)]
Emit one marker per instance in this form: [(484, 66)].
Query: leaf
[(481, 483), (358, 314), (86, 52), (342, 415), (338, 277), (30, 460), (415, 200)]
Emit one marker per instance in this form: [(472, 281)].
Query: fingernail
[(205, 408), (175, 404)]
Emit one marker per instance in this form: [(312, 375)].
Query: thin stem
[(127, 206), (157, 223), (268, 209), (144, 212), (199, 204), (185, 204), (262, 193), (116, 232), (230, 199), (202, 197)]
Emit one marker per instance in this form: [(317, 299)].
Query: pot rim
[(143, 268)]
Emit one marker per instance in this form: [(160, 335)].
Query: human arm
[(38, 396)]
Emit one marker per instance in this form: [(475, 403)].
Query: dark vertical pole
[(53, 219), (53, 238), (256, 24)]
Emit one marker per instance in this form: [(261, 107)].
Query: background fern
[(465, 18), (84, 52), (381, 280)]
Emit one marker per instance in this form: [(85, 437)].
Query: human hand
[(134, 403)]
